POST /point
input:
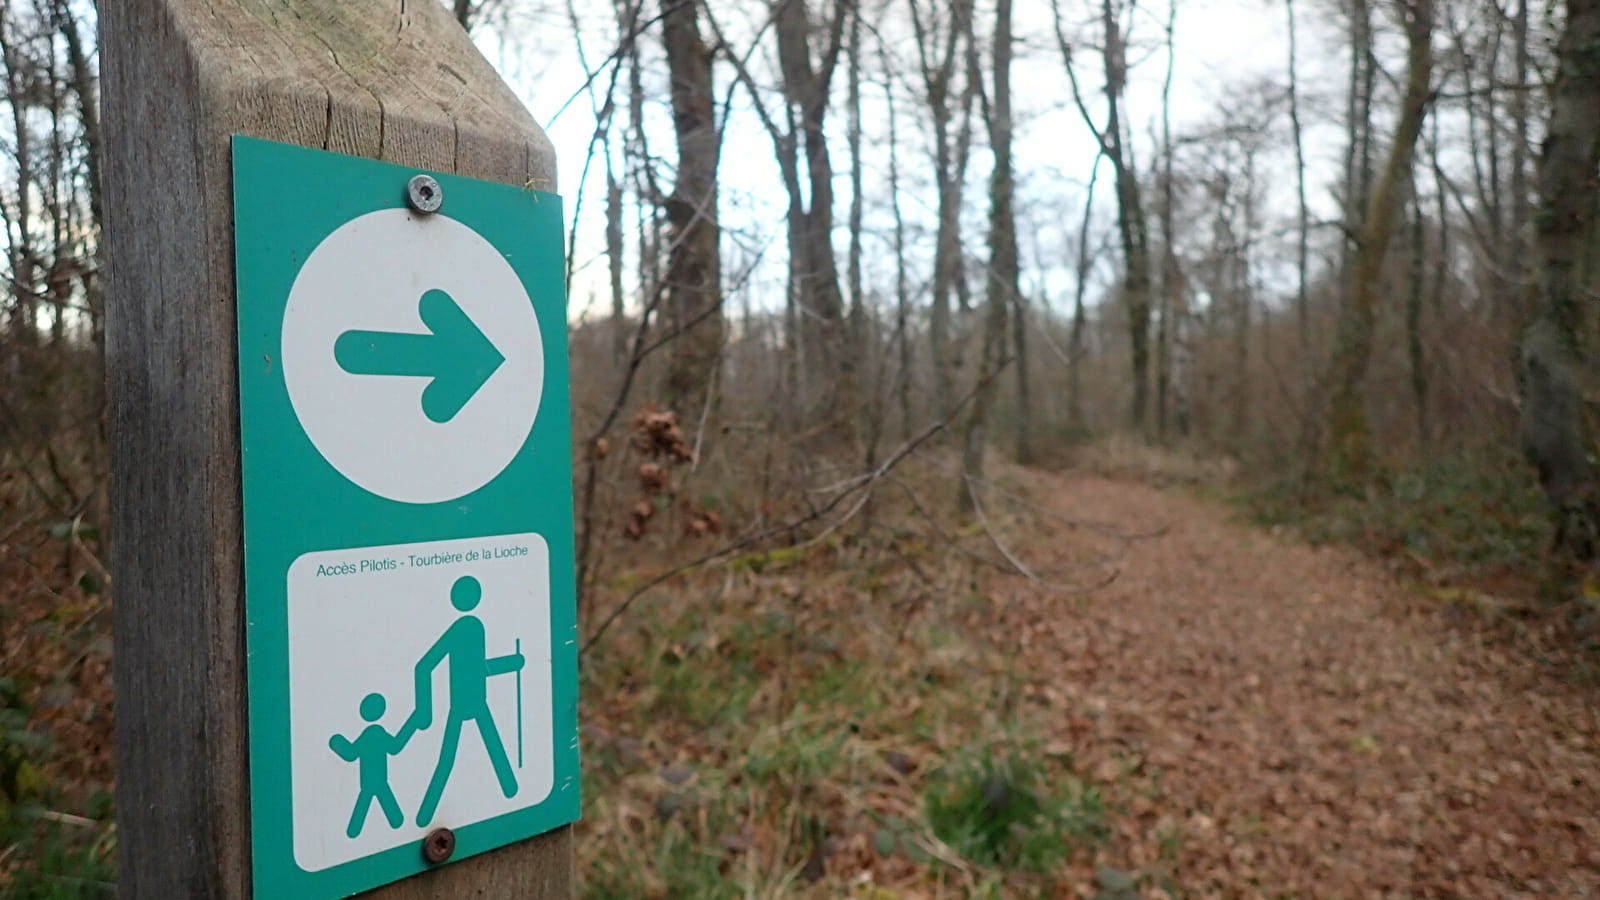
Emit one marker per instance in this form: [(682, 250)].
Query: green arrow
[(454, 353)]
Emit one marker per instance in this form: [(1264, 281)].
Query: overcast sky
[(1223, 47)]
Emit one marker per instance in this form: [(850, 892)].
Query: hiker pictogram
[(463, 651)]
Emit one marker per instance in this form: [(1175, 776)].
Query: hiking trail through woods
[(1311, 725)]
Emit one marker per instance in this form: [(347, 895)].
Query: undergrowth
[(1473, 518), (835, 719), (45, 854), (56, 834)]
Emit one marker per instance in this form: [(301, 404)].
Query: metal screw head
[(438, 845), (423, 194)]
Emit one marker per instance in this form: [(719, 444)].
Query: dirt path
[(1304, 724)]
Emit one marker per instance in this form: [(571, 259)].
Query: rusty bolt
[(438, 845)]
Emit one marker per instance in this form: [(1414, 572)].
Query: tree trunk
[(1303, 234), (57, 281), (1350, 451), (949, 160), (1130, 222), (1557, 367), (805, 87), (85, 87), (1414, 350), (24, 310), (1024, 412), (902, 284), (619, 330), (694, 263), (870, 404), (1003, 261), (1358, 118), (1169, 253), (1521, 211), (1075, 418), (1244, 298), (1492, 187), (1182, 360)]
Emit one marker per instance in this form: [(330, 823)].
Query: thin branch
[(613, 58), (864, 481), (1072, 76), (765, 534), (1017, 564)]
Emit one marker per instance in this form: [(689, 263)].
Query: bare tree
[(1557, 370), (902, 283), (1131, 225), (1303, 232), (1075, 348), (1003, 255), (20, 71), (950, 156), (1521, 210), (1350, 450), (813, 264), (1416, 276), (1171, 298), (857, 319), (694, 263)]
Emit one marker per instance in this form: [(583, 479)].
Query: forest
[(1021, 448)]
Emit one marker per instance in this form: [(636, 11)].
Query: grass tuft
[(1001, 812)]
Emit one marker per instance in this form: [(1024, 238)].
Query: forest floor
[(1320, 729), (891, 712), (1236, 714)]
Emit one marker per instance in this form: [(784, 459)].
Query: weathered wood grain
[(395, 80)]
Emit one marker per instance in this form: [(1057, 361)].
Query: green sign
[(408, 531)]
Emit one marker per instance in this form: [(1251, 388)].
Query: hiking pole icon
[(518, 651)]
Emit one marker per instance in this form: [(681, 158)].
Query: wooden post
[(396, 80)]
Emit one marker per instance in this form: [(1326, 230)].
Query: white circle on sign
[(370, 276)]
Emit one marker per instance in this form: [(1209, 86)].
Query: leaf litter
[(1314, 730), (1231, 715)]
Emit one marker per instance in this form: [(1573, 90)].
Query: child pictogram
[(370, 751)]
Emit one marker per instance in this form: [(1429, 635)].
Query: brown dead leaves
[(654, 434), (1303, 726)]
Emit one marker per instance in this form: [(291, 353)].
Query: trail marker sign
[(408, 531)]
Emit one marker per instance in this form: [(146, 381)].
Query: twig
[(67, 819), (1003, 567), (1017, 564), (705, 411), (636, 356), (866, 497), (1104, 528), (613, 58), (816, 513), (94, 561)]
